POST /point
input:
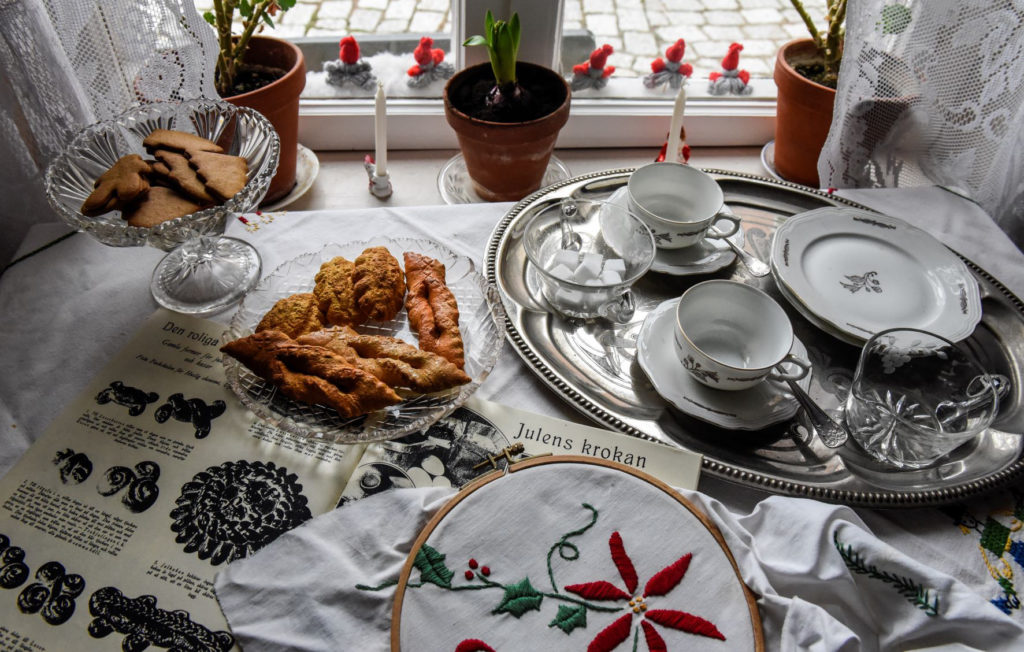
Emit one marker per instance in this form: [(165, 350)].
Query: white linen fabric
[(790, 551), (64, 65), (930, 93)]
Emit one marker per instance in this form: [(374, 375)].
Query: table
[(69, 307)]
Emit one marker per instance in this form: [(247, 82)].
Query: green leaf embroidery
[(915, 593), (519, 598), (569, 618), (431, 566)]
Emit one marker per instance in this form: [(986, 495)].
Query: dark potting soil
[(815, 72), (536, 100), (251, 77)]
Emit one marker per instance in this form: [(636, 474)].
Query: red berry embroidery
[(472, 564), (469, 575), (486, 570)]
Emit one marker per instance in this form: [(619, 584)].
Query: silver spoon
[(830, 432), (755, 266), (571, 240)]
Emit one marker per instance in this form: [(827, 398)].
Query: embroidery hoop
[(472, 487)]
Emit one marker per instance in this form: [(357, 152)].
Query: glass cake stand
[(204, 271)]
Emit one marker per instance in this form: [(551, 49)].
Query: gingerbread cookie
[(224, 175), (379, 284), (178, 141), (293, 316), (174, 168), (335, 294), (122, 184), (160, 205)]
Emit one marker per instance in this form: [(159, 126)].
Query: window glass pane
[(387, 33), (640, 31)]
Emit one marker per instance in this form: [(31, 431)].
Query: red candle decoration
[(430, 64), (349, 68)]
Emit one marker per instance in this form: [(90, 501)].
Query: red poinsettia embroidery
[(658, 585)]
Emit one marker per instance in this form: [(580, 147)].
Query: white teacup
[(678, 203), (732, 336)]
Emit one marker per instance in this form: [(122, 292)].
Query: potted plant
[(506, 115), (806, 71), (263, 73)]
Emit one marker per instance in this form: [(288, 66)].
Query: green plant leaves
[(210, 18), (519, 598), (569, 618), (432, 569)]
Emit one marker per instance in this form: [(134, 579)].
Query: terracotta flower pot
[(279, 102), (507, 161), (803, 114)]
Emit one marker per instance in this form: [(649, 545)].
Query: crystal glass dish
[(207, 273), (481, 321)]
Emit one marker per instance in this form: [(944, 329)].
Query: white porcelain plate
[(702, 258), (859, 272), (751, 409)]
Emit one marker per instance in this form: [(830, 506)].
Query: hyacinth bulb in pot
[(806, 74), (506, 114), (263, 73)]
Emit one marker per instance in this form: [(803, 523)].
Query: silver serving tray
[(592, 365)]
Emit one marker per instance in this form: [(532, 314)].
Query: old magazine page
[(116, 520)]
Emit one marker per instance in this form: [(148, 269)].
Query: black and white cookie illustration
[(53, 593), (140, 484), (442, 455), (132, 398), (143, 624), (230, 511), (13, 571), (194, 410), (74, 467)]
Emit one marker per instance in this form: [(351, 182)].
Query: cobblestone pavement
[(639, 30)]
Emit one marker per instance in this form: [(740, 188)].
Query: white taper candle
[(380, 131), (672, 150)]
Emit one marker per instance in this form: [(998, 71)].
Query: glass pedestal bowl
[(205, 271)]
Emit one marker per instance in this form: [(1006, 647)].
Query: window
[(623, 113)]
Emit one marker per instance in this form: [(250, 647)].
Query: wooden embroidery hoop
[(469, 489)]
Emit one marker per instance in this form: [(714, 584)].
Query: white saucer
[(455, 186), (768, 160), (702, 258), (751, 409), (307, 167)]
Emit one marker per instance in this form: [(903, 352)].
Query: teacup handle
[(715, 233), (777, 374)]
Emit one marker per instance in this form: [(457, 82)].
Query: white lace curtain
[(931, 92), (67, 63)]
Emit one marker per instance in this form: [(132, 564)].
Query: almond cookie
[(175, 169), (178, 141), (160, 205), (122, 184), (335, 294), (293, 316), (223, 175), (378, 283)]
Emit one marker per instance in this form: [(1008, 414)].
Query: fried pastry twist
[(335, 293), (396, 363), (378, 284), (433, 310), (311, 374)]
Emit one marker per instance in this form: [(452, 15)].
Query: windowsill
[(341, 182)]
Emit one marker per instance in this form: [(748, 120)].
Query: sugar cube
[(569, 298), (615, 265), (566, 257), (562, 272), (589, 267), (610, 277)]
